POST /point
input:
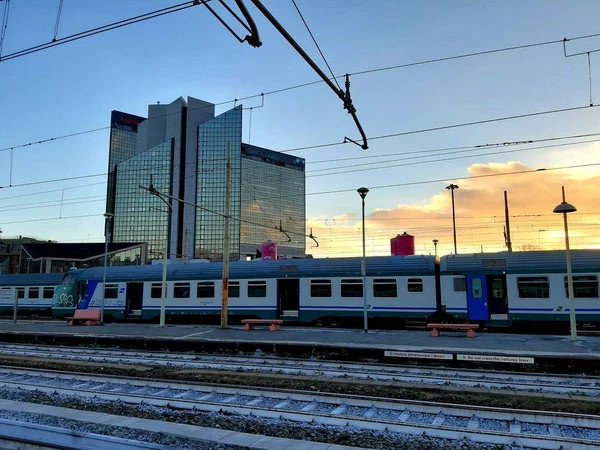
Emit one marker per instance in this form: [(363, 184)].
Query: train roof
[(522, 262), (284, 268), (32, 279)]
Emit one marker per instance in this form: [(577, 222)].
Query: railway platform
[(413, 346)]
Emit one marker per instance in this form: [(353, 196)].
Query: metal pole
[(163, 297), (363, 269), (507, 219), (453, 220), (226, 243), (104, 273), (569, 277), (16, 306)]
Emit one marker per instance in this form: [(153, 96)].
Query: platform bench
[(85, 317), (273, 324), (436, 327)]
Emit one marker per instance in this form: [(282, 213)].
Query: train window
[(352, 288), (67, 280), (111, 291), (476, 288), (234, 289), (34, 292), (320, 288), (460, 284), (385, 288), (415, 285), (181, 290), (584, 286), (156, 290), (20, 292), (48, 292), (533, 287), (205, 289), (257, 288)]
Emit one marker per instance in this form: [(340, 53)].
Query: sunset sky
[(73, 88)]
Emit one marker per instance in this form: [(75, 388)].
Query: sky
[(73, 87)]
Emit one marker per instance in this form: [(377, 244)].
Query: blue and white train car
[(511, 287), (34, 293), (300, 290)]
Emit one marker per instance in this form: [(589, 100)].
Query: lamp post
[(107, 218), (564, 208), (452, 187), (363, 191), (435, 243)]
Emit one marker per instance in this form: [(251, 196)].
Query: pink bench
[(274, 324), (470, 327)]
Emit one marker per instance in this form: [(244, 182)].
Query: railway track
[(548, 430), (572, 385)]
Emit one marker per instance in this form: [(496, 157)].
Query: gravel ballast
[(349, 436)]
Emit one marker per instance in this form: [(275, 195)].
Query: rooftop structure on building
[(183, 148)]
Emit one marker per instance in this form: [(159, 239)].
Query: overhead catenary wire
[(4, 25), (363, 72), (316, 45), (103, 29), (57, 24)]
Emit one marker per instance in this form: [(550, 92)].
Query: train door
[(497, 298), (83, 301), (134, 298), (477, 298), (288, 298)]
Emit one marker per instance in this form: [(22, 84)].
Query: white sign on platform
[(417, 355), (500, 359)]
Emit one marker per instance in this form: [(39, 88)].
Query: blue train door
[(477, 298)]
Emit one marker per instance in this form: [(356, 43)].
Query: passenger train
[(494, 289)]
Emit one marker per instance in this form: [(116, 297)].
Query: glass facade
[(216, 138), (272, 194), (122, 146), (139, 215)]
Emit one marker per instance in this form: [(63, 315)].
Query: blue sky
[(74, 87)]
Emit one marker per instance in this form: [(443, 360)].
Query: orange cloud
[(480, 220)]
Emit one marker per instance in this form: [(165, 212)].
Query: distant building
[(183, 148), (29, 255)]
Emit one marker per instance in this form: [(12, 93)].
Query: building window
[(48, 292), (20, 292), (385, 288), (205, 289), (111, 291), (34, 292), (584, 286), (352, 288), (156, 290), (320, 288), (476, 288), (415, 285), (234, 289), (533, 287), (460, 284), (181, 290), (257, 289)]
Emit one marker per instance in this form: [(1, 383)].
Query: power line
[(52, 218), (472, 177), (388, 166), (103, 29), (368, 71)]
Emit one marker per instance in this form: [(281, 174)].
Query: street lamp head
[(363, 191), (452, 186), (564, 208), (435, 241), (108, 216)]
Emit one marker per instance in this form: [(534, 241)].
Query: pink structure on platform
[(269, 250), (403, 245)]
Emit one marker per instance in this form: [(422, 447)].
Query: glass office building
[(123, 145), (140, 216), (185, 148)]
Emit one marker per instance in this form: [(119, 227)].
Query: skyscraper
[(184, 148)]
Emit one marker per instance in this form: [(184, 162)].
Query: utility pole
[(225, 284), (507, 218), (451, 187)]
